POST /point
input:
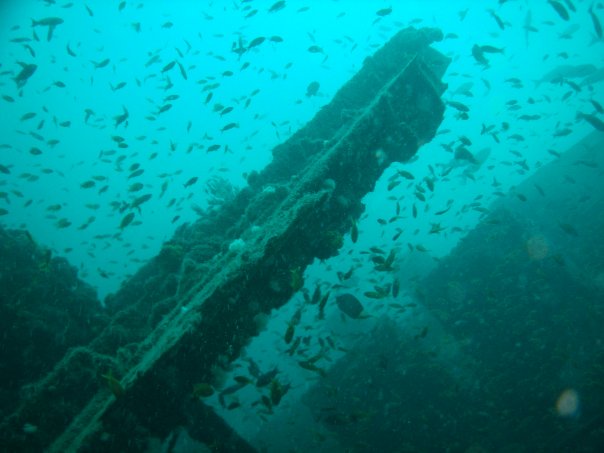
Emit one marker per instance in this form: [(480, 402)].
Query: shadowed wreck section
[(192, 307)]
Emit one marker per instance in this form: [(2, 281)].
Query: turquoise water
[(140, 38), (140, 116)]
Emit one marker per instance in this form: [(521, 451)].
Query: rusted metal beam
[(193, 307)]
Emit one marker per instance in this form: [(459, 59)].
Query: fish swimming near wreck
[(27, 70), (471, 161), (562, 72), (50, 22), (350, 305)]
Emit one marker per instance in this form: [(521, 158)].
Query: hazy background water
[(347, 32)]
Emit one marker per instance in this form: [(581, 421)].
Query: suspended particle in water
[(568, 404)]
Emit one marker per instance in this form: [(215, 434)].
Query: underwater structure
[(498, 348), (193, 307)]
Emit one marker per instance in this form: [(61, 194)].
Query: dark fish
[(230, 390), (383, 12), (593, 120), (595, 77), (253, 368), (128, 218), (277, 6), (570, 6), (312, 89), (87, 184), (168, 66), (238, 47), (597, 106), (568, 229), (491, 49), (529, 117), (563, 72), (119, 86), (50, 22), (462, 153), (164, 108), (183, 73), (500, 23), (136, 173), (150, 61), (315, 49), (233, 405), (596, 22), (252, 13), (30, 49), (191, 181), (478, 55), (229, 126), (436, 228), (27, 116), (87, 114), (62, 223), (135, 187), (429, 183), (562, 132), (324, 300), (354, 232), (140, 200), (422, 334), (559, 8), (458, 106), (308, 365), (202, 390), (405, 174), (393, 184), (119, 119), (289, 334), (266, 378), (26, 72), (100, 64), (573, 85), (350, 305), (256, 42), (395, 287)]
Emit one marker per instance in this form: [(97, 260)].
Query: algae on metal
[(194, 305)]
